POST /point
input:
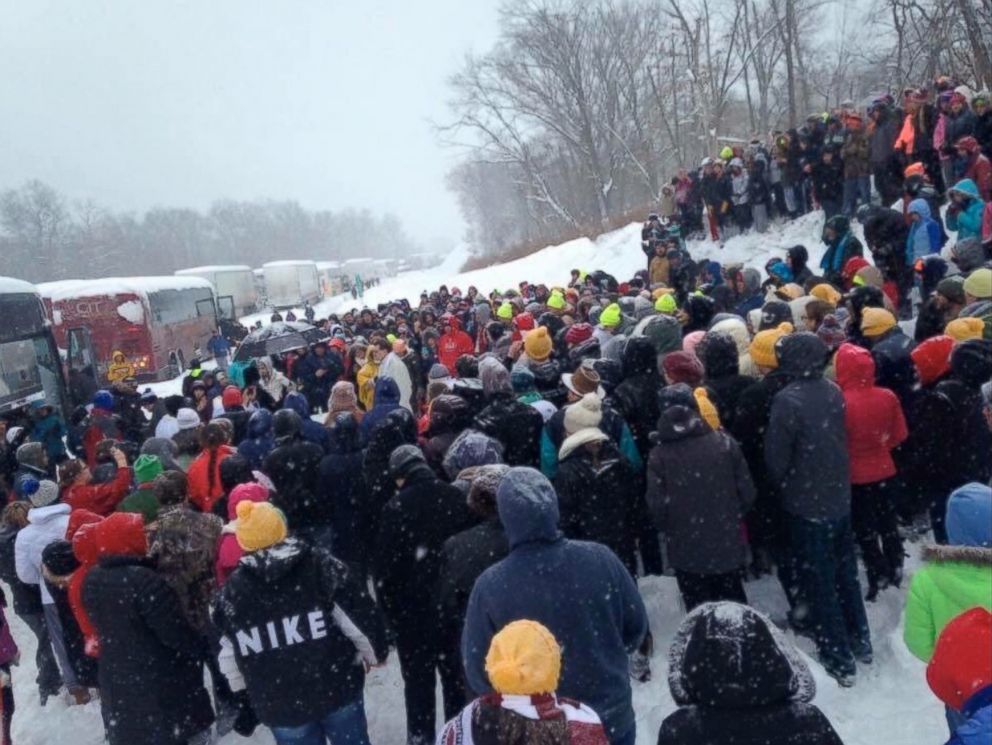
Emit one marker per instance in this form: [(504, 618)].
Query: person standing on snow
[(299, 634), (806, 455), (875, 427), (580, 591)]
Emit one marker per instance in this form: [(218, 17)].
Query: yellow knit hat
[(876, 321), (762, 347), (537, 344), (524, 659), (610, 317), (826, 293), (963, 329), (666, 304), (259, 526), (706, 408)]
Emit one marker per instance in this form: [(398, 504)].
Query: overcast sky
[(165, 103)]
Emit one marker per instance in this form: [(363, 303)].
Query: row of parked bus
[(148, 328)]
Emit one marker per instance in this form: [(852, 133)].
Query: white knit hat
[(46, 494), (187, 419), (585, 413)]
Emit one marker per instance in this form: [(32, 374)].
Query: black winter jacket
[(599, 500), (151, 670), (517, 426), (806, 441), (636, 397), (295, 471), (414, 526), (26, 598), (344, 490), (325, 627), (696, 471)]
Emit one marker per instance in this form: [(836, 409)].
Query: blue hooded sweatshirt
[(924, 235), (579, 590), (311, 431), (969, 516), (385, 399), (968, 221), (259, 441)]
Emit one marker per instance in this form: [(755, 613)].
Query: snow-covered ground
[(890, 705)]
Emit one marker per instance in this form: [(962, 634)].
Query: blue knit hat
[(103, 399), (969, 516)]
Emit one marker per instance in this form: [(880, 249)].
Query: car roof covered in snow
[(212, 269), (11, 286), (107, 286)]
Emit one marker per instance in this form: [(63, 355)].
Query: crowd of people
[(477, 481), (931, 147)]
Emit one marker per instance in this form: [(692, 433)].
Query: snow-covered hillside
[(890, 705)]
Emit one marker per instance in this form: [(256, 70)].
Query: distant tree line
[(45, 237), (583, 109)]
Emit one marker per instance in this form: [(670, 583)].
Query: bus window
[(174, 306), (206, 308), (225, 307)]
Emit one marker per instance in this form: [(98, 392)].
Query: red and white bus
[(146, 327), (29, 359)]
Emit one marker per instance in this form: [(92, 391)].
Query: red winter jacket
[(872, 415), (201, 493), (453, 344), (99, 498), (83, 537), (961, 665)]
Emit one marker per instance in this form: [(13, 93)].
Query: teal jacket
[(968, 221)]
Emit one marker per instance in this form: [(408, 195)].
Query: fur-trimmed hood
[(964, 554)]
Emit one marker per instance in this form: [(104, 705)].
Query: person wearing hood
[(954, 577), (736, 328), (972, 164), (413, 528), (736, 678), (580, 591), (719, 355), (796, 258), (317, 372), (886, 234), (385, 400), (599, 490), (924, 236), (842, 245), (398, 428), (150, 673), (343, 400), (453, 342), (875, 427), (310, 430), (695, 470), (259, 441), (294, 468), (306, 683), (636, 396), (970, 440), (273, 382), (523, 665), (807, 460), (960, 675), (696, 313), (345, 489), (747, 285), (517, 426), (965, 211)]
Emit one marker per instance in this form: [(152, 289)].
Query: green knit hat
[(610, 317), (556, 301), (666, 304), (505, 311), (146, 468)]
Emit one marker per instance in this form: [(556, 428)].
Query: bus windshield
[(29, 369)]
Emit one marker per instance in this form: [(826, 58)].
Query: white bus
[(288, 284), (234, 281)]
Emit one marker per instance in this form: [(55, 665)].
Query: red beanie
[(523, 321), (683, 367), (231, 397), (578, 333), (932, 358), (852, 267), (961, 665)]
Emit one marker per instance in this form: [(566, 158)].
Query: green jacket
[(955, 579), (143, 501)]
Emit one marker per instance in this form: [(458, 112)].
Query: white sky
[(141, 103)]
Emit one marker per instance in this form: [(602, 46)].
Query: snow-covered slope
[(890, 705)]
